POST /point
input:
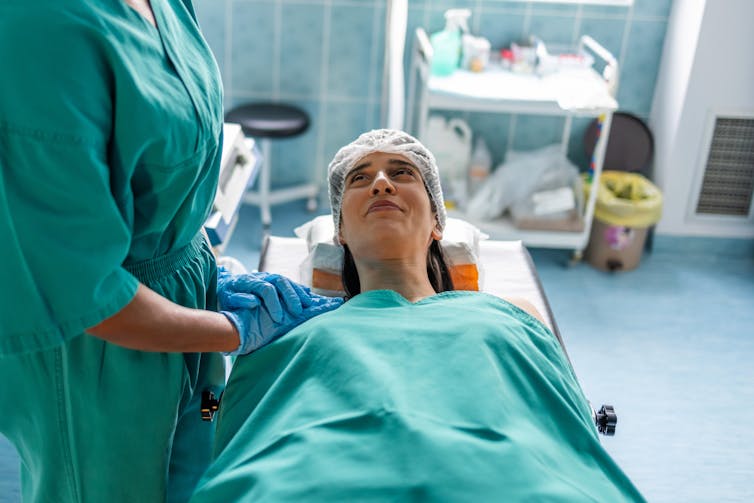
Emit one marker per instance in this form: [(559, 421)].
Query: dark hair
[(437, 270)]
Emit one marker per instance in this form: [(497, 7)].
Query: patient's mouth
[(383, 205)]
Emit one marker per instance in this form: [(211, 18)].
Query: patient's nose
[(382, 183)]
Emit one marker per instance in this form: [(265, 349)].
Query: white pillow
[(322, 230), (321, 268)]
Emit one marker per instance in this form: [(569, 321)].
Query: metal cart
[(574, 93)]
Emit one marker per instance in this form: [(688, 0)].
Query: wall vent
[(729, 174)]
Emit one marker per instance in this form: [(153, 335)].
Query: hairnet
[(388, 141)]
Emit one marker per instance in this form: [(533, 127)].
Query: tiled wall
[(326, 56)]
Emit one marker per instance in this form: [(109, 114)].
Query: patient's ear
[(437, 232), (340, 236)]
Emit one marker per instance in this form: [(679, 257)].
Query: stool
[(265, 121)]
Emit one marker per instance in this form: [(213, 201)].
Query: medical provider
[(110, 142)]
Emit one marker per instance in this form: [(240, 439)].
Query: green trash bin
[(627, 205)]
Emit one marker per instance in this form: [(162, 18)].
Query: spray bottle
[(446, 44)]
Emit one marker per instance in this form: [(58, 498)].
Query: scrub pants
[(94, 422)]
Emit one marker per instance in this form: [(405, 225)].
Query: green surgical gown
[(458, 397), (110, 134)]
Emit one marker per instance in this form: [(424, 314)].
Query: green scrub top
[(110, 135), (458, 397)]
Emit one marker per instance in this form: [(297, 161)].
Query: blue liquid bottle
[(446, 44)]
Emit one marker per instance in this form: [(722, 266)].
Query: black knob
[(606, 419)]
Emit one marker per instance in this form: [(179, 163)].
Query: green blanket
[(458, 397)]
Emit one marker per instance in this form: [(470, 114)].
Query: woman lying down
[(410, 391)]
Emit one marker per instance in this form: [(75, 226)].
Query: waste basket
[(627, 205)]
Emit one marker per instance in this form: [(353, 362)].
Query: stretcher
[(415, 403), (507, 271)]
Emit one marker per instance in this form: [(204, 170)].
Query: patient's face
[(386, 211)]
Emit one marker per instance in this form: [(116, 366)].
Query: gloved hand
[(265, 306), (277, 293)]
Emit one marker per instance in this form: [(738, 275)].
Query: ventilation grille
[(729, 174)]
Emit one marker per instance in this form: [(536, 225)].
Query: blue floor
[(670, 345)]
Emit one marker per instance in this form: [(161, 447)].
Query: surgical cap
[(389, 141)]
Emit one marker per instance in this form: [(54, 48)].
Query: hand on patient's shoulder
[(527, 306), (264, 306)]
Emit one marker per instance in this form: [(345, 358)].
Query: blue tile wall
[(252, 37), (607, 31), (378, 55), (326, 56), (658, 8), (343, 123), (351, 47), (322, 55), (451, 4), (534, 131), (301, 51), (555, 8), (501, 27), (604, 11), (576, 144), (555, 30), (212, 15), (494, 129), (641, 59)]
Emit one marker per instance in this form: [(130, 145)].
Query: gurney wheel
[(606, 419)]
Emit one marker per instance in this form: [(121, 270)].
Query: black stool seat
[(265, 122), (269, 120)]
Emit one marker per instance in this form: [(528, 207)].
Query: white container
[(476, 53), (450, 141)]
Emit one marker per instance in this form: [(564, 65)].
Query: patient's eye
[(403, 172), (356, 178)]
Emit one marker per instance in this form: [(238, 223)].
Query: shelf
[(503, 229), (577, 92)]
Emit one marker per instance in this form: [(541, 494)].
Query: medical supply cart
[(573, 93)]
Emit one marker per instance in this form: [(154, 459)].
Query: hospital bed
[(507, 269)]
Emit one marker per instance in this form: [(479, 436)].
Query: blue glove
[(277, 293), (265, 306)]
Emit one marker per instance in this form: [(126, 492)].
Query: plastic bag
[(555, 202), (517, 178), (627, 199)]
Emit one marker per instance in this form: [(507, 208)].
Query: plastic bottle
[(480, 166), (451, 143), (475, 53), (446, 44)]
